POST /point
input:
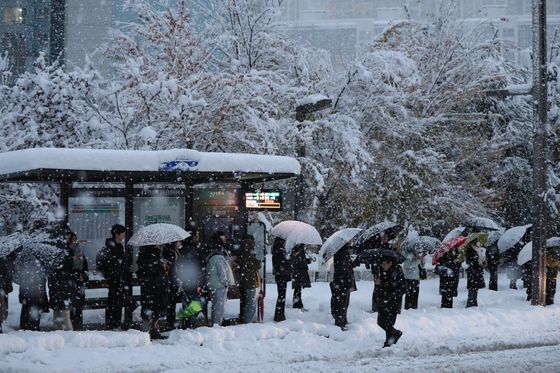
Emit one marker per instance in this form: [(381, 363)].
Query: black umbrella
[(368, 239), (376, 256), (481, 223)]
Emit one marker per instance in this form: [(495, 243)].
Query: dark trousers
[(551, 275), (115, 304), (282, 285), (472, 298), (411, 295), (373, 300), (297, 302), (77, 318), (446, 301), (493, 282), (30, 317), (340, 300), (386, 320)]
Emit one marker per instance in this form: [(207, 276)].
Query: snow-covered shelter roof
[(55, 164)]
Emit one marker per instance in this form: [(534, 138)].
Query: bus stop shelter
[(99, 188)]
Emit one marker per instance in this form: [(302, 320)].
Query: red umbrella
[(451, 244)]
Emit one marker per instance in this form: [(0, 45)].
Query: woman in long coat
[(154, 282), (449, 269), (475, 274), (300, 274)]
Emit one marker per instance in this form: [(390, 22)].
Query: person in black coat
[(115, 264), (449, 270), (171, 254), (551, 275), (342, 285), (382, 243), (62, 287), (80, 276), (492, 261), (475, 274), (282, 270), (154, 287), (32, 282), (391, 287), (300, 274), (6, 287)]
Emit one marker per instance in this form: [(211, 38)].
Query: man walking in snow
[(390, 287)]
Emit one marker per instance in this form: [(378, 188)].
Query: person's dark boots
[(397, 336), (279, 318), (513, 285), (394, 338), (155, 334)]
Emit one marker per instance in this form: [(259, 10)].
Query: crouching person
[(390, 287)]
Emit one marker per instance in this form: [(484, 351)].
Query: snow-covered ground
[(503, 334)]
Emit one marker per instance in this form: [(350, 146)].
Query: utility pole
[(315, 104), (540, 209)]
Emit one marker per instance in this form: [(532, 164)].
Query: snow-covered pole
[(539, 152), (316, 103)]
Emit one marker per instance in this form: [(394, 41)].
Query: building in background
[(342, 26), (29, 27), (72, 30)]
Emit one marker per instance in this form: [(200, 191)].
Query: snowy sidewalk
[(503, 334)]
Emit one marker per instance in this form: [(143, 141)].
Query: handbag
[(422, 272)]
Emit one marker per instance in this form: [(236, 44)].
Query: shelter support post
[(129, 224), (63, 201)]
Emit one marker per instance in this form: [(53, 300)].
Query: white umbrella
[(511, 237), (481, 223), (526, 254), (295, 233), (158, 234), (335, 242), (454, 233)]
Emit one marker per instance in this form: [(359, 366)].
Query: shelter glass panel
[(92, 218)]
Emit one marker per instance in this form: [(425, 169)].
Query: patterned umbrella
[(449, 245)]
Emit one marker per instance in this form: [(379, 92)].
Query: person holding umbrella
[(391, 287), (153, 275), (475, 270), (448, 266), (342, 285), (300, 274), (282, 270), (337, 247)]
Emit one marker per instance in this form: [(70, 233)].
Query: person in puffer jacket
[(218, 277)]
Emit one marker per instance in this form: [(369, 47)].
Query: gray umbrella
[(420, 245), (481, 223), (367, 238)]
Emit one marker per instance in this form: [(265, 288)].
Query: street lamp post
[(316, 103), (539, 152)]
